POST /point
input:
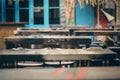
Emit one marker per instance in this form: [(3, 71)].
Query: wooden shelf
[(13, 23)]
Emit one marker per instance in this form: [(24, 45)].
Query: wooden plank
[(3, 23), (48, 37), (66, 31), (24, 32), (91, 29), (20, 24)]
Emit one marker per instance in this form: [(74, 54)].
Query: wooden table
[(115, 49), (96, 33), (40, 31), (58, 54), (47, 37), (73, 31), (8, 57), (83, 73), (62, 40), (115, 34)]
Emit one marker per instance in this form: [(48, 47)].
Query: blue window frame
[(0, 10), (14, 11), (38, 14), (24, 11), (44, 13)]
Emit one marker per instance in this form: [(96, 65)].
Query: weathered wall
[(4, 32)]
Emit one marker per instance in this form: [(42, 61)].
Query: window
[(54, 12), (10, 15), (39, 17), (53, 3), (24, 15), (54, 16), (10, 4), (38, 3), (38, 12), (0, 11), (15, 11), (23, 4), (10, 8), (24, 11)]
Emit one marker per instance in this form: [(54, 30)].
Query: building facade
[(46, 13)]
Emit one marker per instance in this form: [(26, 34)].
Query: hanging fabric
[(70, 18), (62, 13), (108, 16), (70, 4), (81, 3)]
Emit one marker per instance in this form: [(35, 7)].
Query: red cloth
[(103, 20)]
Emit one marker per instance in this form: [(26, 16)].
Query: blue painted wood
[(24, 8), (31, 15), (3, 11), (0, 10), (46, 13), (35, 26), (31, 20), (54, 7), (17, 12), (84, 16)]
